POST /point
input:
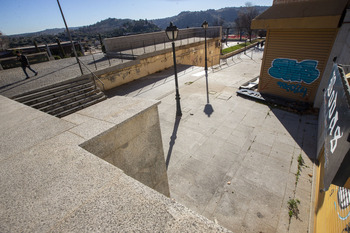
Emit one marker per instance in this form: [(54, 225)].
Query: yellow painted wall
[(329, 216), (192, 54)]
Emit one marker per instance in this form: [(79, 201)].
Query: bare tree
[(246, 17), (239, 25), (4, 41), (218, 22)]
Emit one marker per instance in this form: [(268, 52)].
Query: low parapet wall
[(122, 43), (149, 63), (134, 145)]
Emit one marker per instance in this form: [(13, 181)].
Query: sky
[(23, 16)]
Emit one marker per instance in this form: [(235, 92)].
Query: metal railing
[(93, 75), (157, 40)]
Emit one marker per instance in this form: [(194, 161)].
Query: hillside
[(113, 27), (106, 28), (222, 17)]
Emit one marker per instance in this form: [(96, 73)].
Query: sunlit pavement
[(232, 160)]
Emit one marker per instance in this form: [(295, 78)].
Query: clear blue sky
[(21, 16)]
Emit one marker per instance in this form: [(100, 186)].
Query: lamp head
[(205, 24), (172, 32)]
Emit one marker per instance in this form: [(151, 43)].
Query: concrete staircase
[(63, 98)]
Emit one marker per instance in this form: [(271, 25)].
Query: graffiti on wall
[(293, 74), (343, 199), (295, 88)]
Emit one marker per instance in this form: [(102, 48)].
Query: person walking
[(25, 63)]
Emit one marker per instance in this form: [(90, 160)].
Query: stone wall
[(122, 43), (135, 146), (191, 54)]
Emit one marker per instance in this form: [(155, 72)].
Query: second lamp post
[(205, 26), (172, 32)]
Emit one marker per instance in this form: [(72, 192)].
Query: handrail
[(94, 75)]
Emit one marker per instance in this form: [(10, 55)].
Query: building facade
[(307, 59)]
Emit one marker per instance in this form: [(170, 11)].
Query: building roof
[(305, 14)]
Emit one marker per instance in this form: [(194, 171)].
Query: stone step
[(64, 100), (52, 90), (80, 107), (59, 96), (74, 104)]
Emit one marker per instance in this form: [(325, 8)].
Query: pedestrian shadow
[(172, 140)]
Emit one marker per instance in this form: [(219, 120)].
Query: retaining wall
[(191, 54)]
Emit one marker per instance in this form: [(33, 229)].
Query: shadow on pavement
[(138, 84), (208, 109), (302, 128), (31, 79), (172, 140)]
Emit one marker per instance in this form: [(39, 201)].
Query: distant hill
[(118, 27), (106, 28), (53, 31), (222, 17), (113, 27)]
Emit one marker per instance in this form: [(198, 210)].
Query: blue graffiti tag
[(294, 71), (295, 88)]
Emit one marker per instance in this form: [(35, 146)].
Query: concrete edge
[(312, 200)]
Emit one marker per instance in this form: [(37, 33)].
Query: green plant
[(301, 163), (293, 208), (233, 48)]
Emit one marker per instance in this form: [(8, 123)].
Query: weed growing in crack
[(301, 163), (293, 208)]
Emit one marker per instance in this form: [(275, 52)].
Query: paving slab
[(235, 165), (51, 184), (231, 159)]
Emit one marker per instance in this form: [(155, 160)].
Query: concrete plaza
[(233, 160)]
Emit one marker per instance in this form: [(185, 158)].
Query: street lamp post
[(70, 37), (172, 32), (205, 26)]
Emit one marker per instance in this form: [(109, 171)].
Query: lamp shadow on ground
[(172, 140), (208, 109)]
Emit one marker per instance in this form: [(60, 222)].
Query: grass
[(236, 47)]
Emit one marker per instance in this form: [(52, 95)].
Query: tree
[(246, 17), (262, 33), (239, 24), (218, 22), (4, 41)]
